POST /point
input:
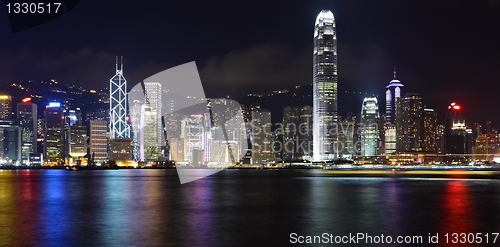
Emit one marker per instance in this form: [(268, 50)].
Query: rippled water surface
[(232, 208)]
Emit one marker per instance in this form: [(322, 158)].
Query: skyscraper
[(305, 131), (118, 104), (54, 147), (98, 140), (261, 136), (152, 93), (77, 141), (10, 141), (324, 86), (27, 116), (369, 126), (290, 135), (409, 124), (455, 133), (5, 107), (391, 97), (148, 144), (430, 131)]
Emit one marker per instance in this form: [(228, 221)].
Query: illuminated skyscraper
[(409, 124), (149, 148), (98, 140), (369, 126), (430, 131), (77, 141), (54, 147), (154, 104), (27, 116), (305, 131), (261, 136), (391, 97), (291, 134), (456, 134), (5, 107), (118, 104), (324, 87)]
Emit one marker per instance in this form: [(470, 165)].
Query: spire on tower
[(122, 63), (394, 72), (116, 64)]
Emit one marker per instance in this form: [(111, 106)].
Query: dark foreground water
[(235, 208)]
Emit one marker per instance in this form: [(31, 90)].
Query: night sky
[(445, 50)]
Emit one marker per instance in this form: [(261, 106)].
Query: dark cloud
[(272, 66), (85, 66), (263, 67)]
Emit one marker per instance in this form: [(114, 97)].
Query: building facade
[(98, 140), (119, 127), (54, 143), (261, 136), (27, 116), (369, 127), (409, 124), (324, 87)]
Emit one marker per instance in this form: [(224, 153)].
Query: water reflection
[(244, 208), (456, 208)]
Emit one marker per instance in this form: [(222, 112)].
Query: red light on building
[(27, 99), (456, 107)]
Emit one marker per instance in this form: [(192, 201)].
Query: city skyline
[(375, 37), (263, 123), (402, 121)]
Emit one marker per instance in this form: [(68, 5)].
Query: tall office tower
[(152, 93), (430, 131), (261, 136), (391, 97), (381, 134), (77, 141), (305, 129), (148, 145), (54, 147), (455, 133), (40, 125), (290, 132), (27, 117), (324, 86), (98, 140), (440, 139), (5, 107), (392, 94), (409, 124), (10, 141), (135, 117), (208, 136), (369, 126), (118, 104), (193, 136)]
